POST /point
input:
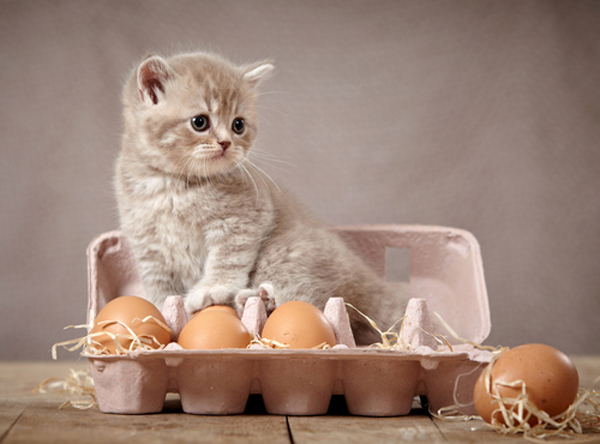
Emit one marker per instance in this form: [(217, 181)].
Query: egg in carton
[(446, 275)]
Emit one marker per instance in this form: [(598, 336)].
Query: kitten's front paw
[(205, 296), (265, 292)]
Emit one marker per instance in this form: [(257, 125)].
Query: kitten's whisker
[(267, 162), (241, 165), (262, 173), (270, 158), (271, 161), (184, 169), (264, 119), (261, 177), (179, 169), (270, 108), (267, 93), (204, 171), (266, 155)]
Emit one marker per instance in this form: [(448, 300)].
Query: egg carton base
[(214, 383), (374, 382)]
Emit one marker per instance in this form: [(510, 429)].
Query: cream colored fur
[(205, 223)]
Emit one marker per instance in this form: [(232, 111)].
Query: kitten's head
[(193, 114)]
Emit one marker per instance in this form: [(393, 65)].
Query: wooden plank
[(9, 414), (474, 431), (26, 417), (44, 423), (588, 368), (360, 429), (18, 379)]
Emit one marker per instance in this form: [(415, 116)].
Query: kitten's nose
[(224, 144)]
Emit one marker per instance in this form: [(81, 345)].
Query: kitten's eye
[(238, 126), (200, 123)]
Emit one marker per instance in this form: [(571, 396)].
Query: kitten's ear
[(257, 73), (152, 75)]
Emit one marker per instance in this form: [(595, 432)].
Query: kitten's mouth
[(215, 159), (218, 149), (221, 158), (212, 152), (218, 157)]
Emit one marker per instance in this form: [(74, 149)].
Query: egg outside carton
[(519, 414), (374, 381)]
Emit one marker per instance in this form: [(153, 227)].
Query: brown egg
[(299, 325), (130, 310), (214, 329), (551, 380), (225, 308)]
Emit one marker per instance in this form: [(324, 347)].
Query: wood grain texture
[(358, 429), (9, 415), (27, 417), (44, 423), (474, 431)]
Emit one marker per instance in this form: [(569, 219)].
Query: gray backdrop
[(482, 115)]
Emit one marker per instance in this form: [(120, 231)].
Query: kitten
[(203, 222)]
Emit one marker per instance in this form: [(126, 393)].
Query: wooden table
[(27, 417)]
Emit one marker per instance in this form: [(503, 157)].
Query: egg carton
[(445, 276)]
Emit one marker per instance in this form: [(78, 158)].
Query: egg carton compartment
[(445, 276)]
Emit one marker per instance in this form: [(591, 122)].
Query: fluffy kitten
[(202, 220)]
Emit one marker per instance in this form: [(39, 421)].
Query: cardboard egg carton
[(445, 276)]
